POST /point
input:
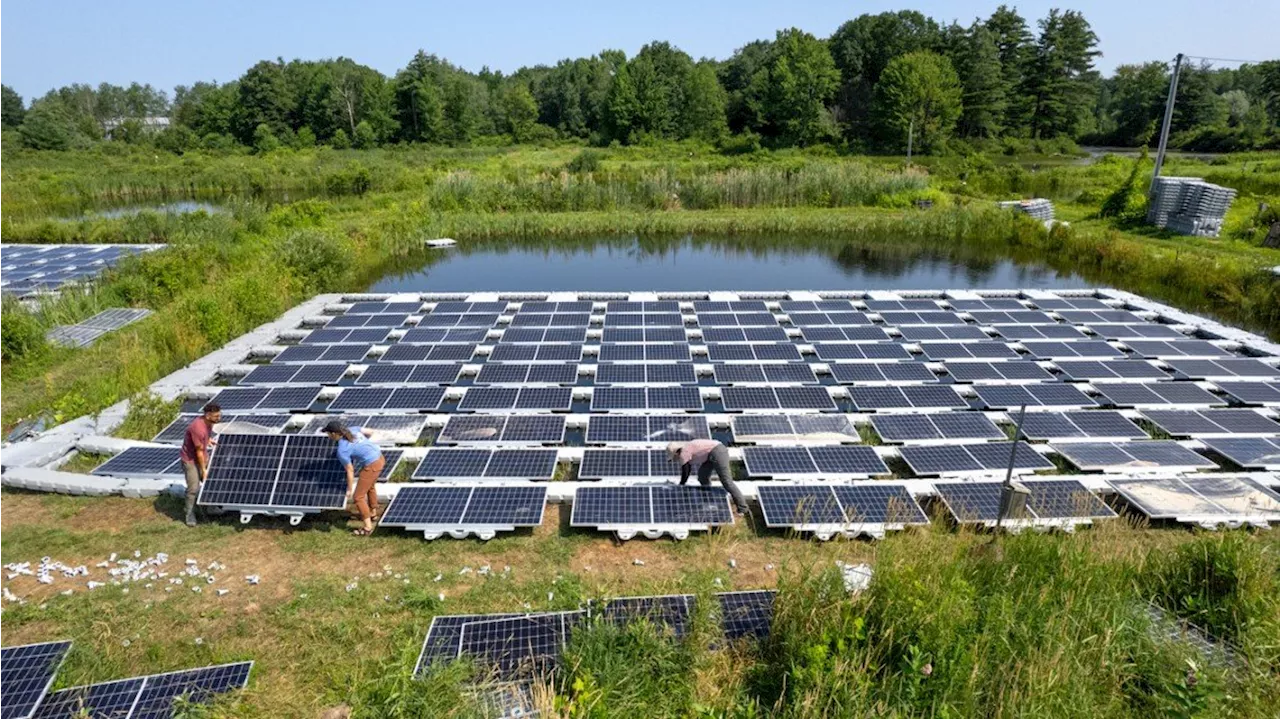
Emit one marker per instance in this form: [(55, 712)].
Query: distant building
[(154, 123)]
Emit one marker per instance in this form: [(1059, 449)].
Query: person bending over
[(361, 458), (706, 455)]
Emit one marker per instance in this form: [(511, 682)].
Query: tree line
[(876, 82)]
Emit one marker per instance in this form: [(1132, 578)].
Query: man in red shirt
[(195, 454)]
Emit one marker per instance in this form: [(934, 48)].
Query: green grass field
[(1043, 625)]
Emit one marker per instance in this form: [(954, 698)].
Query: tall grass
[(1045, 627)]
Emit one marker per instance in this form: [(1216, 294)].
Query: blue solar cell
[(26, 673), (595, 506)]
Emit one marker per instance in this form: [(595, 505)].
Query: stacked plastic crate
[(1039, 208), (1189, 205)]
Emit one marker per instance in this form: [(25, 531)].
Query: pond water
[(613, 264), (180, 207)]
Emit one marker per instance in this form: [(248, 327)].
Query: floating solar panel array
[(796, 384), (650, 510), (870, 508), (33, 270), (84, 333), (1063, 502)]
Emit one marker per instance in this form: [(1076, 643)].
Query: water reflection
[(181, 207), (709, 263)]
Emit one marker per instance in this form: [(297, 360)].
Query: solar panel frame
[(26, 673), (1248, 452), (1065, 499), (746, 614), (799, 505), (1131, 456), (142, 462), (598, 506), (453, 464)]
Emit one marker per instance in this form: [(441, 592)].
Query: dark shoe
[(191, 519)]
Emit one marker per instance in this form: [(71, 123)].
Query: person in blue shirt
[(362, 458)]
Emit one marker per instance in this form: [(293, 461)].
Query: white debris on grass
[(733, 563), (120, 572), (857, 577), (638, 562), (251, 578)]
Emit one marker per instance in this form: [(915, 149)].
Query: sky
[(49, 43)]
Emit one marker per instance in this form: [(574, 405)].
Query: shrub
[(21, 332), (631, 670), (586, 161), (319, 261), (148, 414), (1225, 583)]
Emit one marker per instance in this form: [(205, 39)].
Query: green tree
[(264, 140), (1060, 80), (1014, 44), (794, 88), (11, 108), (47, 126), (978, 65), (340, 140), (207, 107), (863, 47), (623, 106), (1135, 102), (419, 100), (265, 98), (742, 108), (304, 138), (365, 138), (703, 115), (520, 110), (919, 90), (1198, 105)]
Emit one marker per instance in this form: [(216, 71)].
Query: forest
[(996, 84)]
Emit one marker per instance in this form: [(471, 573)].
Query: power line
[(1225, 59)]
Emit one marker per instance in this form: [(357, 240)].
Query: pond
[(683, 264), (180, 207)]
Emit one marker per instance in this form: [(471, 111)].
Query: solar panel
[(995, 455), (895, 372), (1157, 394), (455, 506), (949, 425), (614, 463), (357, 398), (537, 430), (675, 428), (1039, 332), (616, 429), (1183, 423), (519, 646), (452, 464), (694, 505), (959, 459), (672, 612), (176, 431), (1065, 498), (545, 398), (675, 373), (309, 475), (1166, 498), (502, 373), (604, 399), (1175, 348), (466, 429), (926, 333), (997, 303), (804, 398), (1097, 317), (1139, 331), (1092, 424), (797, 505), (1068, 303), (674, 398), (443, 636), (488, 398), (848, 460), (879, 503), (971, 502), (142, 462), (1257, 393), (26, 673), (778, 461), (1012, 371), (522, 464), (746, 614), (1033, 395), (940, 351), (1108, 371), (419, 399), (1128, 456), (288, 398), (1237, 495), (876, 398), (1248, 452), (1227, 369), (606, 506), (615, 373), (829, 352), (150, 697)]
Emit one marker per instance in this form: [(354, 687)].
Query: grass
[(1055, 613), (1040, 625)]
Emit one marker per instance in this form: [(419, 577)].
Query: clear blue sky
[(48, 43)]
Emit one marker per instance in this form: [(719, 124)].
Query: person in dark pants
[(194, 454), (706, 455), (359, 457)]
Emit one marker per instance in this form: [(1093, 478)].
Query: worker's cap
[(334, 427), (673, 449)]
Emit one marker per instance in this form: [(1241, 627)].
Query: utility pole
[(1168, 117)]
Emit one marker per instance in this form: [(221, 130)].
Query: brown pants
[(366, 494)]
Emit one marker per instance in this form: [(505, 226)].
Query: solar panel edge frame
[(53, 675), (146, 680), (462, 530)]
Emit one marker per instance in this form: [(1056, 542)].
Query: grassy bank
[(338, 619)]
